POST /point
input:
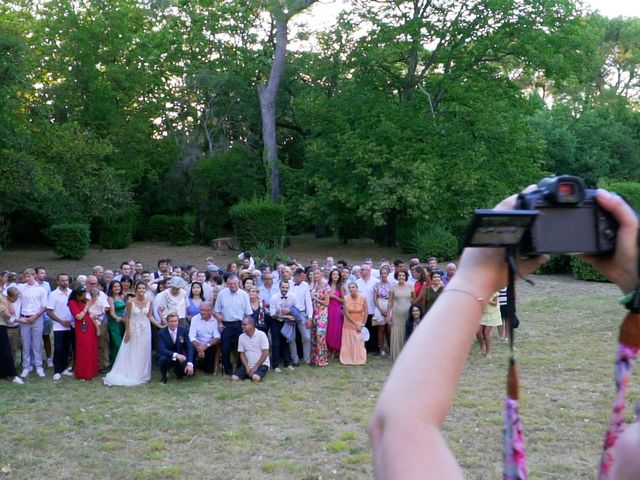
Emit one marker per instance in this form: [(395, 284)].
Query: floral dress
[(319, 355)]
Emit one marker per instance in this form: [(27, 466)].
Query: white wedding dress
[(133, 362)]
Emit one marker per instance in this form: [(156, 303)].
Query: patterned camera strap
[(514, 457), (626, 355)]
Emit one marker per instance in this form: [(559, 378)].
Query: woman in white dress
[(133, 362)]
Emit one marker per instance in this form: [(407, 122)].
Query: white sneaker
[(25, 373), (277, 370), (56, 377), (40, 372), (50, 362), (291, 367), (68, 372), (18, 381)]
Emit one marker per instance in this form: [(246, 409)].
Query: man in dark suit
[(174, 349)]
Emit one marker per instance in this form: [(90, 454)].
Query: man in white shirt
[(204, 335), (303, 303), (232, 306), (47, 325), (253, 347), (266, 291), (365, 284), (59, 313), (34, 302)]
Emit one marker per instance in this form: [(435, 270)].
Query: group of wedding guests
[(242, 321)]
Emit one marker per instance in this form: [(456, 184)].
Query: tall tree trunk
[(268, 93)]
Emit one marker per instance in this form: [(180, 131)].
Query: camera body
[(568, 219)]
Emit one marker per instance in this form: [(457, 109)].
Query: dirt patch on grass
[(303, 247)]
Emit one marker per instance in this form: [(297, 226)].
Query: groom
[(174, 349)]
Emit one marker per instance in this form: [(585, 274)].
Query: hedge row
[(177, 230), (427, 240), (258, 221), (70, 240)]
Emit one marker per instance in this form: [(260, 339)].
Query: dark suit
[(166, 349)]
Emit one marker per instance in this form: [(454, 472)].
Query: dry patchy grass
[(311, 423)]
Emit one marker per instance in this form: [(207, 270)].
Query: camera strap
[(626, 355), (514, 457)]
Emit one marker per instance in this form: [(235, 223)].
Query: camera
[(560, 217)]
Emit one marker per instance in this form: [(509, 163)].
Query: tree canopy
[(400, 112)]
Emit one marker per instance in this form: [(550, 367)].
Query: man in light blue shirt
[(232, 306)]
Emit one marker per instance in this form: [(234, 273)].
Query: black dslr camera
[(560, 217)]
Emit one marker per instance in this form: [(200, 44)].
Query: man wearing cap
[(231, 307), (172, 300)]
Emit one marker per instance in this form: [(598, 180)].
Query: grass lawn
[(311, 423)]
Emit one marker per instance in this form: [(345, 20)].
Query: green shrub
[(585, 271), (159, 225), (437, 241), (556, 264), (70, 240), (268, 254), (182, 229), (177, 230), (427, 239), (258, 221), (116, 234)]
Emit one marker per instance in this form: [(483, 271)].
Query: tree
[(281, 13)]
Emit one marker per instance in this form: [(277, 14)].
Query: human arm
[(263, 357), (390, 307), (112, 311), (78, 310), (151, 318), (127, 322), (414, 404), (55, 318)]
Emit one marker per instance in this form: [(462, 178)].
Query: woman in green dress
[(117, 306), (401, 296)]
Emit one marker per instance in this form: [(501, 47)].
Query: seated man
[(204, 335), (174, 349), (253, 346)]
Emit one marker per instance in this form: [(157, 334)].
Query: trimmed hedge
[(556, 264), (427, 240), (116, 235), (585, 271), (258, 221), (70, 240), (177, 230)]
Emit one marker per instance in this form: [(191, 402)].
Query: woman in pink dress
[(336, 299)]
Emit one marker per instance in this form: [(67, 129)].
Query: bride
[(133, 362)]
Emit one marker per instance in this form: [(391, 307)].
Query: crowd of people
[(240, 321)]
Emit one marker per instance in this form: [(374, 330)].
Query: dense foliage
[(397, 112), (258, 223), (70, 240)]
